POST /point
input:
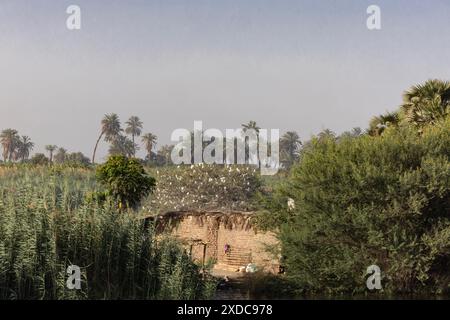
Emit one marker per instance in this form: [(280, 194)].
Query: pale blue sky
[(292, 65)]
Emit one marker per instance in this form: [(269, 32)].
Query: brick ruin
[(206, 235)]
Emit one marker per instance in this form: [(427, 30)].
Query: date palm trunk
[(96, 145)]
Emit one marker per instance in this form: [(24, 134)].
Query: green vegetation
[(423, 105), (14, 146), (125, 180), (17, 149), (361, 200), (340, 204), (289, 148), (46, 224), (39, 159)]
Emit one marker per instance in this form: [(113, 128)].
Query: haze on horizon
[(293, 65)]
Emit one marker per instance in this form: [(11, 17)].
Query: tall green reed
[(47, 223)]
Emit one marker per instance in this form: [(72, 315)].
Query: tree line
[(125, 144), (122, 141), (17, 148)]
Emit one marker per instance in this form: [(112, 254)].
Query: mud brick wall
[(246, 244)]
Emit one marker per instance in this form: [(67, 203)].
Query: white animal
[(291, 204)]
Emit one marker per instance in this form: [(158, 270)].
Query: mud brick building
[(230, 240)]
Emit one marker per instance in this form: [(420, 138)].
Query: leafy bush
[(363, 201), (47, 225), (39, 159), (126, 180), (204, 187), (77, 159)]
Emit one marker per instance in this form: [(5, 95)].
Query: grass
[(47, 223)]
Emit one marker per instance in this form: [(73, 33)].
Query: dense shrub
[(46, 225), (77, 159), (367, 200), (126, 180), (204, 187), (39, 159)]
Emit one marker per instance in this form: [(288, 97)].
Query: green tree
[(163, 156), (149, 141), (121, 145), (134, 128), (126, 180), (61, 155), (9, 139), (427, 103), (24, 148), (361, 201), (379, 123), (289, 148), (110, 129), (78, 159), (39, 159)]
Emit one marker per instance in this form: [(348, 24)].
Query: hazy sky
[(297, 65)]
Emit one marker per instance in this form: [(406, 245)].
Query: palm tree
[(149, 141), (378, 124), (122, 145), (134, 128), (427, 103), (290, 146), (251, 125), (164, 154), (8, 140), (24, 147), (326, 134), (110, 129), (61, 155), (50, 148)]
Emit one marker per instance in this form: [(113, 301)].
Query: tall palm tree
[(50, 148), (110, 129), (290, 146), (164, 154), (24, 148), (427, 103), (149, 141), (134, 128), (8, 140), (251, 125)]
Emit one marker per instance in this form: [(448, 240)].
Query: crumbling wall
[(214, 231), (193, 235), (247, 246)]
